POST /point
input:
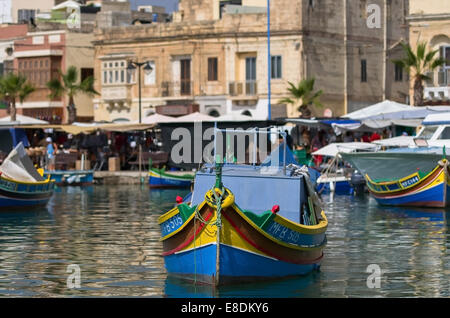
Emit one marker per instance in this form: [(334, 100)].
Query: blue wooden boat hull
[(72, 177), (341, 188), (17, 195), (236, 265), (165, 180)]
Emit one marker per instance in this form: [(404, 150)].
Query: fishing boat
[(160, 178), (413, 176), (71, 177), (336, 178), (245, 223), (21, 185)]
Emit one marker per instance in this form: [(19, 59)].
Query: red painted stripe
[(188, 241), (263, 250), (412, 190)]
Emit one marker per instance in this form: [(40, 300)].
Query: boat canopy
[(400, 141), (437, 119), (19, 167), (332, 150)]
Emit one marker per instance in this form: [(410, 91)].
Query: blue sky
[(170, 5)]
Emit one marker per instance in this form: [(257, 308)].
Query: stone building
[(429, 21), (40, 56), (213, 56)]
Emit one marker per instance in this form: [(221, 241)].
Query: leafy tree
[(303, 95), (68, 85), (15, 87), (418, 64)]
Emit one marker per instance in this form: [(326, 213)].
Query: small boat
[(21, 185), (413, 176), (245, 223), (71, 177), (336, 179), (160, 178)]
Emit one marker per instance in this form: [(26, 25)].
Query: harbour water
[(111, 234)]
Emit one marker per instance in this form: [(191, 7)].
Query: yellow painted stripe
[(183, 226), (322, 228), (399, 181), (439, 179), (28, 183)]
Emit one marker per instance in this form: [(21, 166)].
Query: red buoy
[(179, 199), (275, 209)]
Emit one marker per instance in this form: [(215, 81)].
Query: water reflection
[(112, 233)]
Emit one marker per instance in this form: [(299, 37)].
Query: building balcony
[(437, 88), (177, 108), (116, 93), (243, 88), (176, 89)]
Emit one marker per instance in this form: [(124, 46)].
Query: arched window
[(214, 113)]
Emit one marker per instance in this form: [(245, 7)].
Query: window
[(445, 133), (363, 71), (212, 69), (25, 15), (113, 73), (427, 132), (398, 73), (85, 73), (276, 67)]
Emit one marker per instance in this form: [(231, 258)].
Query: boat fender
[(179, 199), (275, 209), (227, 199)]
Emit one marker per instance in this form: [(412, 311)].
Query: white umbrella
[(23, 120), (195, 117), (157, 118), (400, 141), (332, 150), (382, 108), (234, 117)]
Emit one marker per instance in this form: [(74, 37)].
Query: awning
[(332, 150), (401, 141), (87, 129)]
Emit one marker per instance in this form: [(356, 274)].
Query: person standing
[(51, 153)]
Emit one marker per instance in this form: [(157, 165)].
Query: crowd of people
[(311, 140), (96, 148)]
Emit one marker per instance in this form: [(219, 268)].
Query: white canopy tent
[(234, 117), (157, 118), (332, 150), (400, 141), (195, 117), (378, 110), (22, 120)]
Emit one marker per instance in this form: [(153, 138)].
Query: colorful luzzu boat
[(21, 185), (159, 178), (413, 176), (234, 233), (417, 189)]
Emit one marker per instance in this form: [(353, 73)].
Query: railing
[(176, 89), (239, 88), (116, 93), (438, 78)]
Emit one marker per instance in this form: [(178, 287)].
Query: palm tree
[(418, 64), (68, 84), (15, 87), (304, 94)]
